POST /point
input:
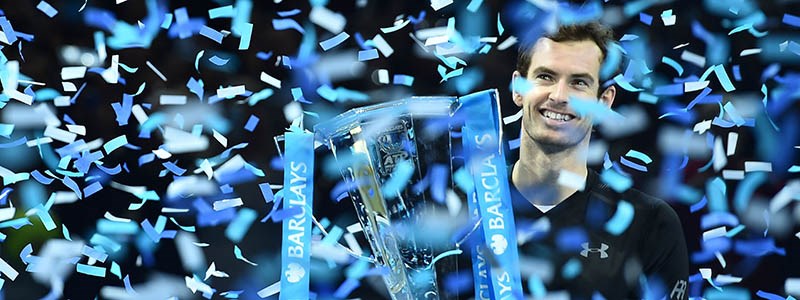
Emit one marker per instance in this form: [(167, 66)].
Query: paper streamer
[(298, 187), (487, 162)]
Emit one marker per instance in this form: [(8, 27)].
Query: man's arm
[(664, 253)]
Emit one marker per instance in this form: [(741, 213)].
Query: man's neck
[(536, 172)]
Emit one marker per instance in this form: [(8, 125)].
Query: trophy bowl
[(386, 152)]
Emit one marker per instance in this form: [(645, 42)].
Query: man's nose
[(560, 92)]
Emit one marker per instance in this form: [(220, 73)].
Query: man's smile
[(561, 117)]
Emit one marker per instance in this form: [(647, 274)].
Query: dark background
[(175, 57)]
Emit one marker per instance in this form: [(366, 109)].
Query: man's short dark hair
[(592, 31)]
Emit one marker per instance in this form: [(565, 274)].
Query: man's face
[(557, 72)]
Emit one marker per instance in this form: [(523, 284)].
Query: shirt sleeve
[(664, 255)]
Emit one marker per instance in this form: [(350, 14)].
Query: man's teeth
[(557, 116)]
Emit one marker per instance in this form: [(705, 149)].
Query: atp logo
[(295, 272), (602, 250), (499, 244)]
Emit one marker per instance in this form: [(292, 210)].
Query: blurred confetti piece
[(714, 233), (733, 137), (212, 271), (719, 158), (221, 12), (59, 134), (270, 80), (230, 92), (7, 270), (334, 41), (115, 144), (220, 138), (693, 58), (571, 180), (615, 180), (238, 228), (403, 80), (668, 18), (622, 218), (153, 68), (68, 73), (270, 290), (99, 239), (327, 19), (674, 64), (172, 99), (399, 179), (91, 270), (639, 155), (397, 26), (246, 31), (218, 61), (784, 196), (443, 255), (212, 34), (365, 55), (625, 84), (192, 258), (790, 19), (382, 45), (116, 270), (439, 4), (474, 5), (6, 130), (195, 284), (757, 166), (238, 253), (227, 203), (97, 254), (47, 9)]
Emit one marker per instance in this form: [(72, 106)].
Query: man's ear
[(607, 97), (517, 97)]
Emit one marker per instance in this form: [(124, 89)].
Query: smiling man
[(583, 238)]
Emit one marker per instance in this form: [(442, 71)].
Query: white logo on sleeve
[(678, 290)]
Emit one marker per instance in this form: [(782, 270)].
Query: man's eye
[(580, 83), (544, 77)]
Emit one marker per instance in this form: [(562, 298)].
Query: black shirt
[(569, 249)]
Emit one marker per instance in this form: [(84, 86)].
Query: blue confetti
[(570, 239), (399, 179), (221, 12), (622, 218), (91, 270), (791, 20), (402, 79), (218, 61), (369, 54), (283, 24), (615, 180), (716, 192), (645, 18), (334, 41), (252, 122), (212, 34), (237, 229)]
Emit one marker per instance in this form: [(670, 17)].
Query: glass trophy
[(377, 145)]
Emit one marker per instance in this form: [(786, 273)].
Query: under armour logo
[(678, 290), (601, 250)]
